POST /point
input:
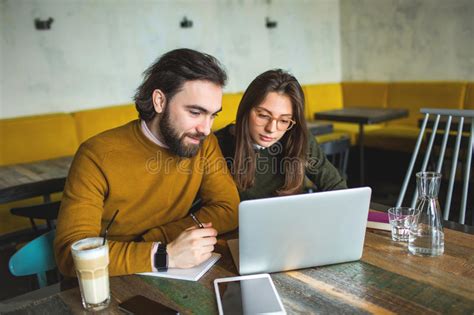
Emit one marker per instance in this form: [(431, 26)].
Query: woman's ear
[(159, 101)]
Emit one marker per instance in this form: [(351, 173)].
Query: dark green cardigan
[(270, 173)]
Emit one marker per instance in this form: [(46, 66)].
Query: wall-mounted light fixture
[(43, 25), (270, 23), (185, 23)]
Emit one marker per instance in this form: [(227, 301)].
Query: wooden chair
[(337, 152), (434, 158), (47, 211)]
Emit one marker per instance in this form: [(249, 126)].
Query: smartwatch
[(161, 258)]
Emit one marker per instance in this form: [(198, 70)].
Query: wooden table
[(362, 116), (386, 280), (21, 181)]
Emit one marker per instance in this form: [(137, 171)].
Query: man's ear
[(159, 101)]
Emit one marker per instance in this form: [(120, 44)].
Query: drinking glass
[(91, 261), (401, 219)]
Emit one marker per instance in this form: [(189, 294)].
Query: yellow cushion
[(321, 97), (396, 138), (364, 94), (230, 104), (34, 138), (332, 136), (416, 95), (93, 121), (469, 99), (353, 129)]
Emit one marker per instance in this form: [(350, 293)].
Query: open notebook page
[(190, 274)]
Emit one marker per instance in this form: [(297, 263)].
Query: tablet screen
[(248, 296)]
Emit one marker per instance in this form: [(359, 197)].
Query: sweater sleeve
[(219, 196), (320, 171), (81, 215)]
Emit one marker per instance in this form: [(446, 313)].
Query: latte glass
[(91, 261)]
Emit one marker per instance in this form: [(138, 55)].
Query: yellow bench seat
[(36, 138), (353, 129), (392, 138), (94, 121), (401, 134)]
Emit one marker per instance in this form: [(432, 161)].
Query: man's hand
[(192, 247)]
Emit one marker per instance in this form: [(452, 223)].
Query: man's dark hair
[(170, 72)]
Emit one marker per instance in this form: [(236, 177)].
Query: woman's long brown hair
[(294, 142)]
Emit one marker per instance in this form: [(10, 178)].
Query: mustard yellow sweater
[(154, 189)]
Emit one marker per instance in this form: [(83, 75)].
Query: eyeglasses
[(262, 118)]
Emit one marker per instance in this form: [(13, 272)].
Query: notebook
[(301, 231), (379, 221), (190, 274)]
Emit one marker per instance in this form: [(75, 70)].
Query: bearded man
[(152, 169)]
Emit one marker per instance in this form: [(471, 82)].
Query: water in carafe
[(426, 235)]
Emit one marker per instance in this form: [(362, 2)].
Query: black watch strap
[(161, 258)]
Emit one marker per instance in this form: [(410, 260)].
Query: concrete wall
[(95, 52), (407, 40), (2, 44)]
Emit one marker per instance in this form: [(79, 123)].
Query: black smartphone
[(141, 305)]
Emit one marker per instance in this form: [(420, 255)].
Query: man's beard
[(174, 141)]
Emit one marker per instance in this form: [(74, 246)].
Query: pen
[(195, 219), (194, 207)]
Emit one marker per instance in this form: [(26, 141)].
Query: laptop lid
[(301, 231)]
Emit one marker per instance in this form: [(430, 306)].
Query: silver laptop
[(285, 233)]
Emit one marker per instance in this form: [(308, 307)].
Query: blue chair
[(36, 257)]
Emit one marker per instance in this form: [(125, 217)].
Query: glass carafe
[(426, 235)]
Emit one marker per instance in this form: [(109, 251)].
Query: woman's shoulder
[(226, 132), (226, 139), (312, 143)]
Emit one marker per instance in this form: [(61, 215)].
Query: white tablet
[(253, 294)]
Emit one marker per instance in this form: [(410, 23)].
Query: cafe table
[(26, 180), (317, 128), (387, 280), (362, 116)]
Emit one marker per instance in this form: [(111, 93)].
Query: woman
[(268, 150)]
